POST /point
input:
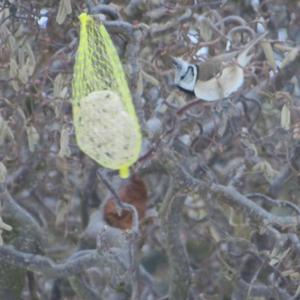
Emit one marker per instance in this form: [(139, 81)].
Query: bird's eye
[(191, 70)]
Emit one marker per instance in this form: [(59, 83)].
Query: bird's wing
[(229, 81), (209, 69), (241, 55), (243, 58)]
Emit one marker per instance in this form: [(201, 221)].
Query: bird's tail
[(244, 58)]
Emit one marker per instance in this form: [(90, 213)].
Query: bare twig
[(82, 289), (253, 210), (170, 213), (232, 197), (134, 8), (105, 9), (12, 210), (120, 27), (261, 290), (275, 202), (132, 236), (132, 54), (156, 29), (44, 265), (286, 172)]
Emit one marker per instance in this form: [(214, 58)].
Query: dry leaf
[(33, 137), (23, 74), (269, 54), (5, 131), (285, 117), (30, 54), (277, 256), (64, 92), (30, 61), (57, 85), (214, 233), (250, 146), (13, 74), (64, 9), (290, 57), (205, 29), (21, 114), (267, 170), (3, 226), (62, 209), (293, 275), (4, 15), (12, 43), (134, 193), (140, 84), (3, 172), (64, 143), (21, 56), (223, 124), (296, 132)]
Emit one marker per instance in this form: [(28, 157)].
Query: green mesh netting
[(105, 121)]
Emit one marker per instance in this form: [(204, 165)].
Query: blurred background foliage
[(250, 142)]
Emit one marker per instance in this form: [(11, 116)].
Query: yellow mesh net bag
[(105, 121)]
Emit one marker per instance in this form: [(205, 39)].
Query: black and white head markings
[(185, 74)]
